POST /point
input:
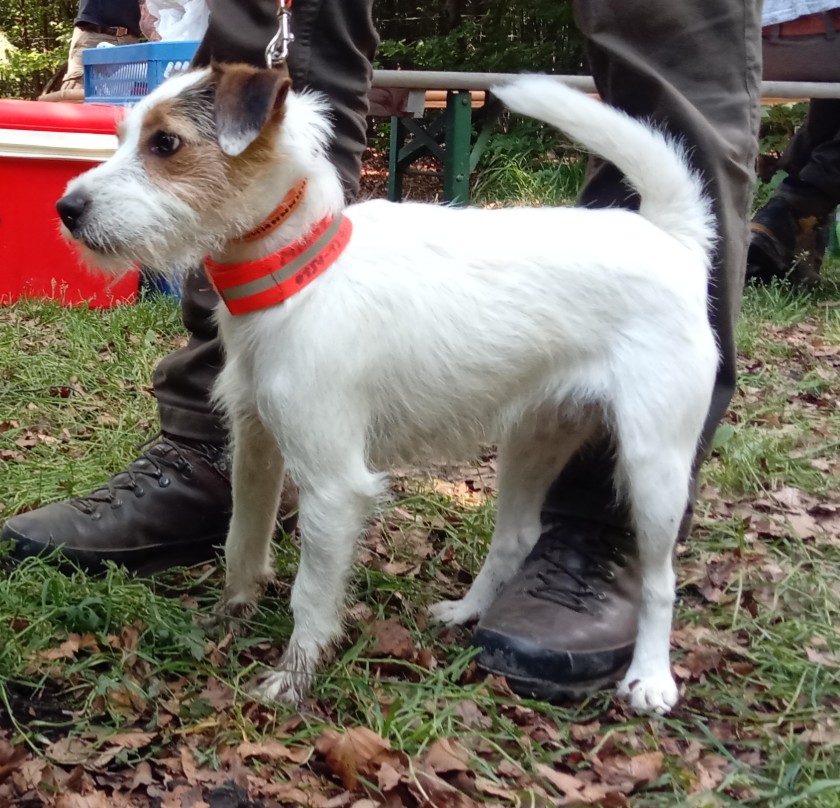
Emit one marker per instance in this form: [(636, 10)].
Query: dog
[(419, 330)]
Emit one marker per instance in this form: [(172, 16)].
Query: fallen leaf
[(219, 695), (804, 525), (621, 769), (822, 735), (142, 775), (826, 658), (789, 497), (710, 770), (30, 774), (339, 800), (273, 749), (188, 765), (356, 751), (392, 639), (70, 647), (433, 792), (70, 751), (426, 659), (567, 784), (95, 799), (388, 777), (302, 788), (131, 740), (583, 732), (11, 757), (446, 755), (700, 661), (490, 788)]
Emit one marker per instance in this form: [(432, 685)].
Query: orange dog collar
[(254, 285), (279, 215)]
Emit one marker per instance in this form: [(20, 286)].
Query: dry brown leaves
[(354, 766)]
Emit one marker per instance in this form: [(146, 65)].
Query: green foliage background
[(479, 35), (476, 35), (40, 30)]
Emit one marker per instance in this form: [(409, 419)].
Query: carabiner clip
[(277, 51)]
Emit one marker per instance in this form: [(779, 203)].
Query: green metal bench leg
[(456, 163), (395, 169)]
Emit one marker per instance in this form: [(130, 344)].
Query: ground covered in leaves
[(112, 696)]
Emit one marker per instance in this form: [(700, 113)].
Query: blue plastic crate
[(125, 73)]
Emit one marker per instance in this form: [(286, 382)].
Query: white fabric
[(777, 11), (180, 20)]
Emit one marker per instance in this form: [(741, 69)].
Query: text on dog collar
[(254, 285)]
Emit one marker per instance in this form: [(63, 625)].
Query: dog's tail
[(672, 195)]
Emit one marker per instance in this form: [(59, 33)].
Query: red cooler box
[(42, 146)]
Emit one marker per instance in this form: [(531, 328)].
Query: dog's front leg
[(257, 479), (333, 512)]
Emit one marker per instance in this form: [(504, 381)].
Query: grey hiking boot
[(566, 624), (170, 507)]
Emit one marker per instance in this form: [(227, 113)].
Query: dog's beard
[(169, 252), (116, 258)]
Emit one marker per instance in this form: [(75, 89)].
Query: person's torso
[(111, 14)]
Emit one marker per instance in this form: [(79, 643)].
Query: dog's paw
[(655, 692), (455, 612), (245, 584), (228, 615), (285, 687), (289, 683)]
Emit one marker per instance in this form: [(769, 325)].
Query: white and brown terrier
[(362, 336)]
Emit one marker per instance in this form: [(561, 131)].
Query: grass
[(525, 180), (73, 386), (788, 427), (756, 635)]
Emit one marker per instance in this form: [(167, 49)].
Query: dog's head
[(190, 158)]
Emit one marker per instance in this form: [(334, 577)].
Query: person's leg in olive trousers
[(172, 505), (566, 623)]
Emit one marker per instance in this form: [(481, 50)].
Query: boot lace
[(570, 570), (158, 455)]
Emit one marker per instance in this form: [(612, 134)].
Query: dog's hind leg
[(337, 496), (655, 455), (257, 479), (530, 459)]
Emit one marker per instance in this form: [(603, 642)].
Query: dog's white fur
[(437, 331)]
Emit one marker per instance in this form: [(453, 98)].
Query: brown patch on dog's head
[(215, 136)]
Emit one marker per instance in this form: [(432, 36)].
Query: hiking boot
[(565, 625), (784, 244), (171, 507)]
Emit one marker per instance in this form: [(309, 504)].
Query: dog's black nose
[(71, 208)]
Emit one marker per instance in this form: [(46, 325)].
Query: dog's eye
[(165, 143)]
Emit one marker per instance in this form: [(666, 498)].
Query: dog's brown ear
[(245, 99)]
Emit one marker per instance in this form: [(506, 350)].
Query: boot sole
[(553, 692), (141, 563)]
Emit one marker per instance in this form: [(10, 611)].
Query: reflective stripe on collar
[(253, 285)]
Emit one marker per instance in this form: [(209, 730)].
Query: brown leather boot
[(170, 507), (565, 625), (787, 243)]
